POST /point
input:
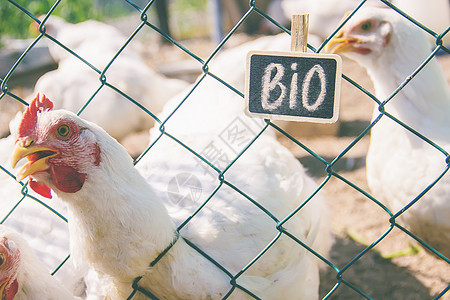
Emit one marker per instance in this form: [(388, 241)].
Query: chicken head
[(58, 147), (363, 36)]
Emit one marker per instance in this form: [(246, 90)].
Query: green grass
[(15, 23), (187, 16)]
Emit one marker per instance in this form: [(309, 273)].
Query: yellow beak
[(339, 43), (37, 156)]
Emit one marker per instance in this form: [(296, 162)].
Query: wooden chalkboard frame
[(328, 113)]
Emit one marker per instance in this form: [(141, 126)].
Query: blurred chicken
[(74, 83), (324, 15), (267, 172), (229, 64), (120, 224), (433, 14), (400, 165), (96, 35), (22, 274)]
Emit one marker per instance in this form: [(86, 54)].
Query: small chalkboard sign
[(293, 86)]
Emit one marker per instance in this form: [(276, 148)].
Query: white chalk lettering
[(269, 85), (305, 89), (293, 94), (270, 82)]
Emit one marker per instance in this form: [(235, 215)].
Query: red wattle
[(67, 179), (40, 188), (12, 290)]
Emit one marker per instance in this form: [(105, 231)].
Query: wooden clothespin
[(299, 32)]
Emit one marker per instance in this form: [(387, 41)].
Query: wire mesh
[(221, 170)]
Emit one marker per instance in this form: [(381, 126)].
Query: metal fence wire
[(341, 272)]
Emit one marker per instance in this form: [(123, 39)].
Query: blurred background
[(199, 26)]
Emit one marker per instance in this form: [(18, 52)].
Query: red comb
[(29, 118)]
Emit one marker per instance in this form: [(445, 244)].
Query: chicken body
[(435, 15), (266, 172), (325, 15), (120, 224), (400, 164)]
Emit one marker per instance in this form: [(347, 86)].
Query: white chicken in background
[(230, 63), (120, 224), (400, 165), (433, 14), (74, 83), (266, 172), (97, 35), (22, 275), (324, 15)]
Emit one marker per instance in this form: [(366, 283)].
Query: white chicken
[(325, 15), (96, 35), (228, 64), (120, 224), (74, 83), (433, 14), (401, 165), (22, 275)]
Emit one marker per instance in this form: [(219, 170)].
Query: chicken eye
[(366, 26), (63, 131)]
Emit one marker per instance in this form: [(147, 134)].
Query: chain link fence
[(210, 156)]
